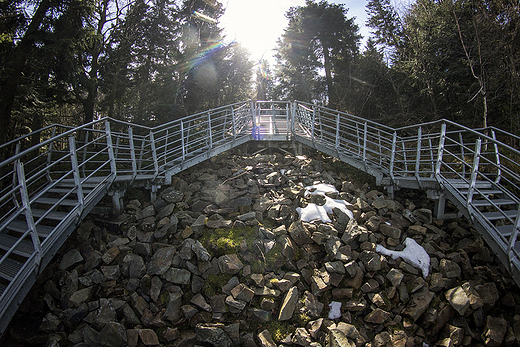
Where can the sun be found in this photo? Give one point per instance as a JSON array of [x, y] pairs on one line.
[[256, 25]]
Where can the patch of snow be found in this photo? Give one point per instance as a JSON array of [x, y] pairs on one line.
[[320, 189], [313, 212], [413, 254], [282, 171], [335, 310], [341, 204]]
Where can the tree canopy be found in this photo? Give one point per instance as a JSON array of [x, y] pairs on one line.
[[150, 61]]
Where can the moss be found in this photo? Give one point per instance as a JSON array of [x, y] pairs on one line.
[[225, 241], [279, 330], [213, 284], [303, 319]]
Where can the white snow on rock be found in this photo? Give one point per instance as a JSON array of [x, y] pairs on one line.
[[413, 254], [335, 310], [313, 212], [320, 189], [316, 212]]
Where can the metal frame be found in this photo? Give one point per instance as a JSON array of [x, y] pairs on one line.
[[73, 168]]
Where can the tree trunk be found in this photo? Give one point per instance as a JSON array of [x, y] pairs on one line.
[[18, 58]]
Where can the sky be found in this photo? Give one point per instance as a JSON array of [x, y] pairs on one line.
[[257, 24]]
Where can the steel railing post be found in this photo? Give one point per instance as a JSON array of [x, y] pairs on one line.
[[313, 122], [233, 122], [75, 173], [182, 142], [209, 131], [418, 152], [474, 172], [440, 152], [512, 238], [365, 131], [110, 148], [497, 157], [28, 213], [132, 151], [392, 156], [154, 154], [463, 154], [337, 131], [85, 145]]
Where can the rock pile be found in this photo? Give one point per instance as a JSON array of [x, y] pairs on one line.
[[222, 259]]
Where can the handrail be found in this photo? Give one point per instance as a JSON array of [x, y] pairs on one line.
[[439, 155]]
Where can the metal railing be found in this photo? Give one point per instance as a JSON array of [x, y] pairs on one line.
[[47, 188]]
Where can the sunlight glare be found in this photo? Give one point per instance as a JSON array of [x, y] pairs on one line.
[[256, 24]]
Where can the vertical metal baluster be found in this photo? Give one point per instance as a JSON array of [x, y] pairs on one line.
[[210, 133], [132, 151], [418, 153], [182, 142], [110, 148], [474, 173], [154, 154], [75, 173], [463, 155], [28, 213], [442, 139], [392, 156], [497, 157], [365, 144]]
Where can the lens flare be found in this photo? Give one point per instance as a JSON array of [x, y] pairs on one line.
[[204, 17]]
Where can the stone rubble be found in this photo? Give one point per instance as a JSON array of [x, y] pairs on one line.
[[221, 259]]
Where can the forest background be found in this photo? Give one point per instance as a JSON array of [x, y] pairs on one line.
[[152, 61]]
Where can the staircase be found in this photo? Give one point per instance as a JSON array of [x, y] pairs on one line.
[[48, 188]]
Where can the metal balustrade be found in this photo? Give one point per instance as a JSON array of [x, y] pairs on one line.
[[56, 175]]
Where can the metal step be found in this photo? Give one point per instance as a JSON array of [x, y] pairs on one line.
[[53, 201], [500, 215], [505, 230], [2, 288], [9, 268], [25, 248], [460, 183], [496, 202], [21, 227], [483, 192], [54, 215]]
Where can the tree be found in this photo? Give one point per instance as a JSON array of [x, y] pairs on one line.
[[318, 36]]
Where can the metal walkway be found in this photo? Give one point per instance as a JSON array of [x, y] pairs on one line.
[[48, 188]]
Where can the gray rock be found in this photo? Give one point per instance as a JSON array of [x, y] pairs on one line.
[[299, 233], [172, 196], [458, 299], [70, 259], [177, 276], [238, 305], [113, 335], [148, 211], [338, 339], [161, 261], [212, 334], [201, 252], [419, 303], [494, 331], [289, 304], [301, 337], [199, 301], [173, 307], [149, 337], [395, 277], [266, 340], [242, 292], [230, 264], [80, 297]]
